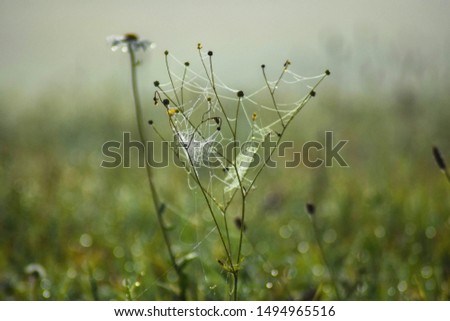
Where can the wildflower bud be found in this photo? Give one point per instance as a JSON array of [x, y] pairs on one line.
[[156, 83], [287, 63], [210, 53], [327, 72], [438, 158], [312, 93], [199, 46], [186, 63], [209, 99], [263, 66], [239, 225], [166, 52], [172, 111], [310, 208], [165, 102], [240, 94], [150, 122], [155, 101], [254, 116]]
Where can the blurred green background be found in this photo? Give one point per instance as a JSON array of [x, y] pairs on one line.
[[71, 230]]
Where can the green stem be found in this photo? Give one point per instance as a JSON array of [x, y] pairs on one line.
[[324, 258], [158, 205]]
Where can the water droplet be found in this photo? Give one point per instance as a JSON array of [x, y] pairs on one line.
[[45, 284], [124, 49], [330, 236], [71, 273], [114, 48], [118, 252], [137, 284], [318, 270], [402, 286], [391, 291], [269, 285], [86, 240], [430, 232], [427, 272], [46, 294], [274, 272], [303, 247], [285, 231]]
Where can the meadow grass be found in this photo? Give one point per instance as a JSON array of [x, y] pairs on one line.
[[383, 222]]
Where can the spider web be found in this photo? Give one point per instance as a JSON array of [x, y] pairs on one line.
[[208, 118], [210, 122]]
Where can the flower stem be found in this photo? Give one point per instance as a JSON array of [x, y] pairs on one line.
[[159, 206]]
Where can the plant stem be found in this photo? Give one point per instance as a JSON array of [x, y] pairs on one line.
[[159, 206], [324, 258]]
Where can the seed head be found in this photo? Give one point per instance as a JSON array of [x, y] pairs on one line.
[[310, 208], [130, 37], [166, 102], [186, 63], [438, 158], [240, 94], [150, 122], [239, 225], [210, 53], [327, 72], [199, 46], [156, 83], [312, 93]]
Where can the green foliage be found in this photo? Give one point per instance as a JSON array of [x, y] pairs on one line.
[[383, 222]]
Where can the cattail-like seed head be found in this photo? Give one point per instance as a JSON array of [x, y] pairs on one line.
[[438, 158], [310, 208]]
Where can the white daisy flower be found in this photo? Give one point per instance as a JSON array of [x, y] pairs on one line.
[[127, 41]]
